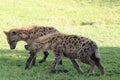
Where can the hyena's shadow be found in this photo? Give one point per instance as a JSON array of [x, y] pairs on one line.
[[13, 57], [19, 57], [9, 51]]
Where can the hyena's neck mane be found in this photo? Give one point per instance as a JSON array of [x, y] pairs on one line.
[[49, 37], [49, 40]]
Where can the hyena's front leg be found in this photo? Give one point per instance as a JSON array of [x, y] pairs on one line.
[[58, 57], [92, 66], [53, 65], [76, 66], [31, 57], [55, 62], [45, 56], [34, 61]]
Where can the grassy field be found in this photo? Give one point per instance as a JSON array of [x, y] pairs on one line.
[[97, 19]]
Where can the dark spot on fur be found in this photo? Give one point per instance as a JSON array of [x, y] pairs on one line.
[[83, 44], [79, 41], [81, 37], [75, 44], [67, 43]]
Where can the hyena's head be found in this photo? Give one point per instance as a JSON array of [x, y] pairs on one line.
[[12, 38], [34, 47]]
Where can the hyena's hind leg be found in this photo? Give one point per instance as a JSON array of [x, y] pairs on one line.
[[30, 59], [98, 64], [76, 66], [92, 66]]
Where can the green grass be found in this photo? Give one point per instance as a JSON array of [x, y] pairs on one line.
[[67, 16]]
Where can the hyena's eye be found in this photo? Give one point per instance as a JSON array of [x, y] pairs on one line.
[[14, 33]]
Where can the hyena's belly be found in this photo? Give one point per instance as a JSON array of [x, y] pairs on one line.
[[70, 55], [70, 52], [83, 56]]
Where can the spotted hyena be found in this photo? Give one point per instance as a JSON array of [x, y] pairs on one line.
[[28, 34], [71, 46]]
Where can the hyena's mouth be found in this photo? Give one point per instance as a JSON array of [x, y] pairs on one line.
[[12, 46], [26, 47]]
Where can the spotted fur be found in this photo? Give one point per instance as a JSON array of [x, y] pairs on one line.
[[71, 46]]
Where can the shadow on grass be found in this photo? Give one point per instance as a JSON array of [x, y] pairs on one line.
[[109, 56], [8, 51]]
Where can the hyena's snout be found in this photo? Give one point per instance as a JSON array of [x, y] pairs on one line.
[[27, 47]]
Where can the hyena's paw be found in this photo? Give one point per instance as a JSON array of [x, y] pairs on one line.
[[41, 61], [60, 63], [64, 70], [26, 67], [52, 71], [58, 71]]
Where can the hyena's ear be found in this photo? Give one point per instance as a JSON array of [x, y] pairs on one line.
[[23, 35], [5, 32]]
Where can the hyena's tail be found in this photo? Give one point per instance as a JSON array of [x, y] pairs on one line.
[[96, 58]]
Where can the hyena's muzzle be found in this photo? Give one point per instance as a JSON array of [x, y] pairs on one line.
[[12, 44], [27, 47]]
